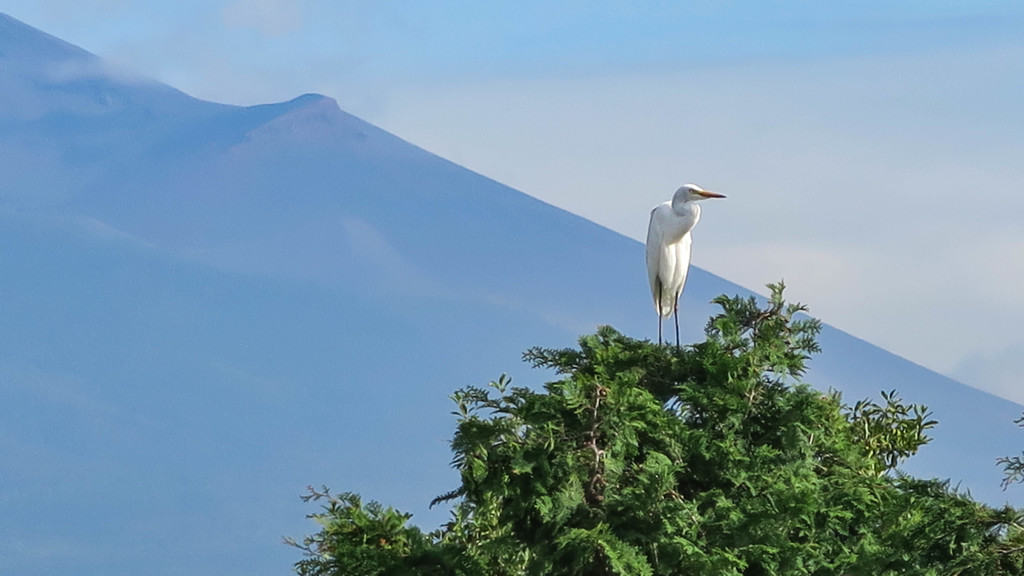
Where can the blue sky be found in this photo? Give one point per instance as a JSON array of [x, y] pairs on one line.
[[871, 151]]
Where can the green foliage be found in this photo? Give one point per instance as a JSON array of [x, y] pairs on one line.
[[654, 460], [368, 539], [1013, 466], [890, 433]]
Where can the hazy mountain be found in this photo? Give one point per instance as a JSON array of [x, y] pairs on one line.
[[204, 308]]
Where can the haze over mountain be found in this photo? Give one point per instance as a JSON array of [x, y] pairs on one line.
[[204, 308]]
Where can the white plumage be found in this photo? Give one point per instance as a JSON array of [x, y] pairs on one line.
[[668, 249]]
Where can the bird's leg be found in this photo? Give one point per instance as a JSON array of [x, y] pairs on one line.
[[659, 313], [675, 314]]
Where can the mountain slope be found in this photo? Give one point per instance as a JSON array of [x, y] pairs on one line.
[[204, 308]]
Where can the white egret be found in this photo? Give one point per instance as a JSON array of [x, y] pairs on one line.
[[668, 249]]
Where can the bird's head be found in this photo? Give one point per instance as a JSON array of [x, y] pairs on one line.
[[692, 193]]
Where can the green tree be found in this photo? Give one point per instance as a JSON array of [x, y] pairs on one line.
[[710, 459]]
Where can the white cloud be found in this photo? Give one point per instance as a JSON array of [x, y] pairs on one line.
[[271, 17], [91, 69]]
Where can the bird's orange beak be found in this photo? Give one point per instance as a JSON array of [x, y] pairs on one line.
[[710, 194]]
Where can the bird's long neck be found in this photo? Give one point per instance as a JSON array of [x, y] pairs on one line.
[[688, 213], [695, 209]]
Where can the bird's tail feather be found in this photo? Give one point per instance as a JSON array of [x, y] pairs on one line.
[[665, 308]]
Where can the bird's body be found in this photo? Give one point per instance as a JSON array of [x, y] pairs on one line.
[[668, 254], [668, 249]]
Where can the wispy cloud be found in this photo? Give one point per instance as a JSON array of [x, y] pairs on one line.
[[375, 255], [91, 69], [998, 371], [272, 18]]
